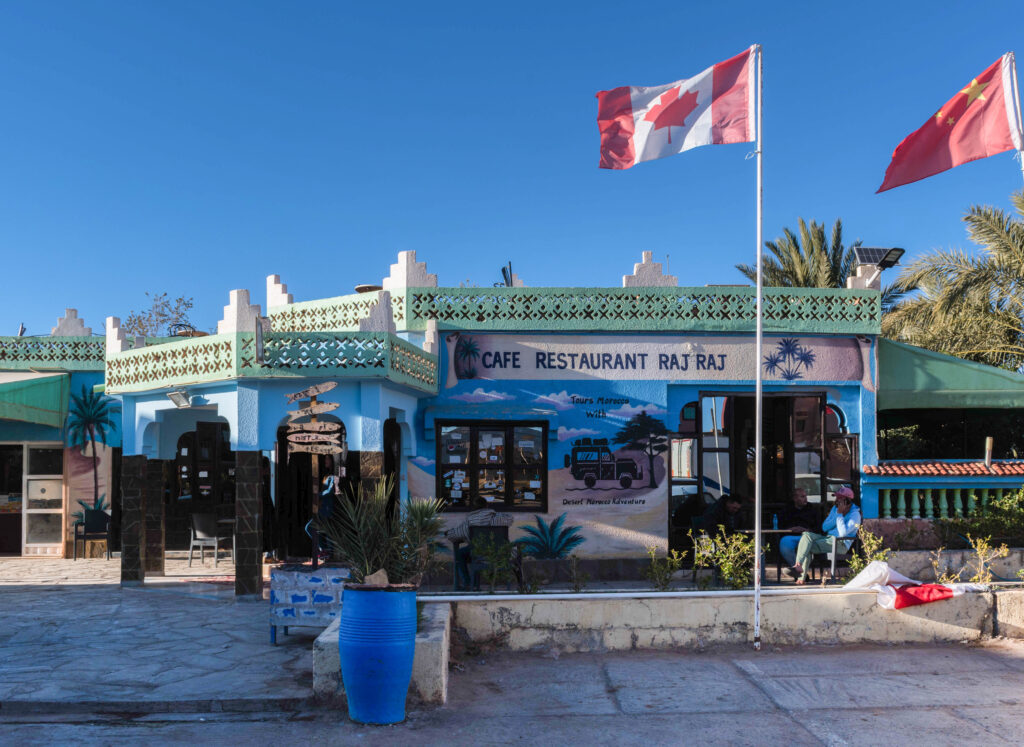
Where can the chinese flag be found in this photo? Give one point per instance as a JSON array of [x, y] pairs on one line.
[[980, 121], [713, 107]]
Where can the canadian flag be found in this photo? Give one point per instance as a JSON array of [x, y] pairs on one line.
[[896, 591], [644, 123]]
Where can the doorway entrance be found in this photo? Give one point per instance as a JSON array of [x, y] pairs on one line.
[[712, 454], [293, 506]]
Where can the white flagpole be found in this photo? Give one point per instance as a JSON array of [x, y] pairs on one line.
[[758, 396], [1016, 104]]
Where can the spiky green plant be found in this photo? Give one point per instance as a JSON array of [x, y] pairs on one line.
[[368, 537], [550, 541], [89, 421]]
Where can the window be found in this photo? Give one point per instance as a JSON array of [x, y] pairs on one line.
[[496, 465]]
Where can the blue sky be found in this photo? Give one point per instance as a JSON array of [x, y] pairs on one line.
[[196, 147]]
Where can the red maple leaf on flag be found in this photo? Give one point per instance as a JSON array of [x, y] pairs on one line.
[[672, 110]]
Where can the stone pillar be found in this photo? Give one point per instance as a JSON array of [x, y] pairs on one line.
[[133, 549], [248, 537], [153, 513]]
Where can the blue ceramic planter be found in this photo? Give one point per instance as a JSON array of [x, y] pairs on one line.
[[377, 642]]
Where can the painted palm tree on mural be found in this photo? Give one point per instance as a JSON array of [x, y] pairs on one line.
[[89, 421], [807, 259], [969, 305], [647, 434]]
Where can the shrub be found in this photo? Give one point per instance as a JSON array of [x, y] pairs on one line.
[[368, 537], [1002, 519], [660, 571], [498, 559], [577, 578], [731, 555], [871, 549]]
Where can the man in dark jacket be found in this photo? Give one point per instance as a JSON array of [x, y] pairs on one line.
[[725, 513]]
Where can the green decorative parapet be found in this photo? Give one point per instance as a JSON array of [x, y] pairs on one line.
[[285, 354], [721, 308], [341, 313], [66, 353], [713, 309]]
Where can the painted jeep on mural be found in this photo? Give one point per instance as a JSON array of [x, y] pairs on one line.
[[592, 460]]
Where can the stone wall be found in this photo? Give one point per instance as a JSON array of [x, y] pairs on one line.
[[571, 625], [429, 667]]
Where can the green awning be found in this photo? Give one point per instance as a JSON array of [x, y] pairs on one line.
[[912, 378], [34, 397]]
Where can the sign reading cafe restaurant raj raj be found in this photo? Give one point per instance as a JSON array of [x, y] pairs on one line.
[[635, 357]]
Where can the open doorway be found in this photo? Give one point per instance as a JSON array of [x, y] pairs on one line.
[[712, 454]]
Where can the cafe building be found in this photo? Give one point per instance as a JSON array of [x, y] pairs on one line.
[[597, 418]]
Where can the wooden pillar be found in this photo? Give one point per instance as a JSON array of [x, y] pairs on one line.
[[133, 544], [154, 516], [248, 535]]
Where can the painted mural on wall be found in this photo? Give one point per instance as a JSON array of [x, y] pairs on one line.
[[487, 357], [87, 457]]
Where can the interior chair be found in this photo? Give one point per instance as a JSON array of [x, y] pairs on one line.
[[204, 534], [95, 526], [494, 535]]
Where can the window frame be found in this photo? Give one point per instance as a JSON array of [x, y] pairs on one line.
[[474, 466]]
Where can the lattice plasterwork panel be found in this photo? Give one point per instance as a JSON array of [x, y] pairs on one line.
[[196, 359], [333, 314], [68, 353], [822, 310], [412, 365]]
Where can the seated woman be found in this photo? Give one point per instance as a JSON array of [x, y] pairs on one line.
[[843, 521]]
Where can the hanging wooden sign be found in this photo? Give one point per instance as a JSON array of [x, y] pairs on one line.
[[331, 438], [314, 427], [315, 448], [312, 391], [314, 409]]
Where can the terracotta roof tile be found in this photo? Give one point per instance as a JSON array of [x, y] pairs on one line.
[[940, 468]]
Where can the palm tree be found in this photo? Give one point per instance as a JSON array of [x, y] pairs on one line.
[[807, 259], [89, 419], [969, 305]]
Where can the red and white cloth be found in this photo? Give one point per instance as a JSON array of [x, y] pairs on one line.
[[896, 591], [983, 119], [644, 123]]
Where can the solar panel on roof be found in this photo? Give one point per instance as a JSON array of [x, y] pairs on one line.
[[870, 255]]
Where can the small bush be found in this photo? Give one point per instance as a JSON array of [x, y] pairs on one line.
[[1002, 519], [871, 549], [498, 559], [577, 578], [660, 571], [731, 555]]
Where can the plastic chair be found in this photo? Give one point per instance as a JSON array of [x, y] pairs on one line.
[[836, 557], [204, 534], [95, 526]]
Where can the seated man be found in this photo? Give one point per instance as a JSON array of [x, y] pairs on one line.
[[725, 513], [798, 518], [482, 517], [843, 521]]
